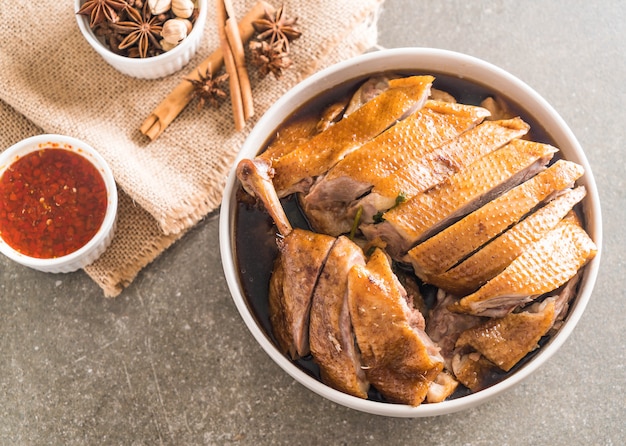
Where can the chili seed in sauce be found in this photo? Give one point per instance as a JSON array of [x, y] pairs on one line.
[[52, 202]]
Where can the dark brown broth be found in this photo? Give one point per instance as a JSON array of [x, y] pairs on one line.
[[255, 234]]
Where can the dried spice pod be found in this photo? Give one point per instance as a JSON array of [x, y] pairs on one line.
[[275, 27], [159, 6], [100, 11], [208, 88], [270, 58], [182, 8], [142, 31], [174, 32]]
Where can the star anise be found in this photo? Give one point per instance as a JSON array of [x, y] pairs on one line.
[[142, 32], [277, 27], [270, 58], [207, 88], [100, 11]]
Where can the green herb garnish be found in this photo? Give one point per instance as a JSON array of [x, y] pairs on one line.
[[378, 217], [355, 223]]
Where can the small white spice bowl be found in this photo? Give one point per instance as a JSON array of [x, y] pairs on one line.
[[150, 67], [94, 248]]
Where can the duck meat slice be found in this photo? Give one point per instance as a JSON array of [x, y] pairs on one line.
[[300, 129], [330, 332], [546, 265], [491, 259], [425, 214], [506, 340], [419, 174], [406, 142], [295, 171], [448, 247], [301, 257], [398, 358], [409, 142]]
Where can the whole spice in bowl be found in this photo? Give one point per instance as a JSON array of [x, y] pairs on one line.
[[143, 38], [135, 29], [173, 32], [182, 8]]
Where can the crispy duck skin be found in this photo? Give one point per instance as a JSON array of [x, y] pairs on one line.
[[491, 259], [302, 255], [546, 265], [447, 248], [506, 340], [300, 130], [295, 171], [408, 143], [290, 136], [330, 332], [415, 176], [399, 359], [427, 213], [403, 143]]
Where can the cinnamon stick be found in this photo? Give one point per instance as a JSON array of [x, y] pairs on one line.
[[234, 38], [234, 59], [231, 69], [177, 100]]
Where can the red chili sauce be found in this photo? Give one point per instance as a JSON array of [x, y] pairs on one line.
[[52, 202]]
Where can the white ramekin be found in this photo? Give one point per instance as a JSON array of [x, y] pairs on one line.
[[101, 240], [149, 67]]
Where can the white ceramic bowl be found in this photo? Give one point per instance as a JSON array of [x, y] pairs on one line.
[[149, 67], [431, 61], [101, 240]]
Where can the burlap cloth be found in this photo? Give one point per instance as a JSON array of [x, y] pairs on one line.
[[52, 81]]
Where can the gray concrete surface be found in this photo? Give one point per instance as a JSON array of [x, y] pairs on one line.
[[171, 362]]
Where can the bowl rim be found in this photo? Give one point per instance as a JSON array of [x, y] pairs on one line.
[[417, 59], [106, 53], [38, 142]]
